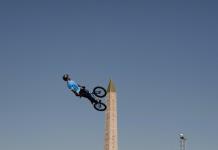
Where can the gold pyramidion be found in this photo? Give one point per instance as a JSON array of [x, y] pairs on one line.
[[111, 87]]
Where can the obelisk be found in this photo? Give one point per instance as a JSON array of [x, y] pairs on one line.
[[111, 142]]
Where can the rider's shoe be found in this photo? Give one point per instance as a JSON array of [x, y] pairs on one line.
[[92, 102]]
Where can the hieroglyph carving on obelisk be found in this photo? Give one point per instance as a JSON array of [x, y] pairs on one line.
[[111, 142]]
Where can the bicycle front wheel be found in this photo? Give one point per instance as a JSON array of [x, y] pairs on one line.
[[99, 91]]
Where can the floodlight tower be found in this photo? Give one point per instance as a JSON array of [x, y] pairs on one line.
[[182, 141]]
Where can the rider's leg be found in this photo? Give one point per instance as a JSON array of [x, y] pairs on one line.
[[86, 94]]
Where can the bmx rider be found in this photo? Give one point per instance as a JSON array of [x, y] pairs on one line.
[[77, 89]]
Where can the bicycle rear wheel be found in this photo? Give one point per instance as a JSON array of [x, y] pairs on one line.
[[100, 106]]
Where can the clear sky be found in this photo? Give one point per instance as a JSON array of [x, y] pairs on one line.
[[161, 55]]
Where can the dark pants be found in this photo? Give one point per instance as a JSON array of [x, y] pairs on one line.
[[85, 93]]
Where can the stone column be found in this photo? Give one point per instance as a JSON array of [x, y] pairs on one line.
[[111, 142]]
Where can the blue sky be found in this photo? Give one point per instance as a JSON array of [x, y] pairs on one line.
[[161, 55]]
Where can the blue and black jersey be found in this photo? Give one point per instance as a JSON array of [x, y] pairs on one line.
[[73, 86]]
